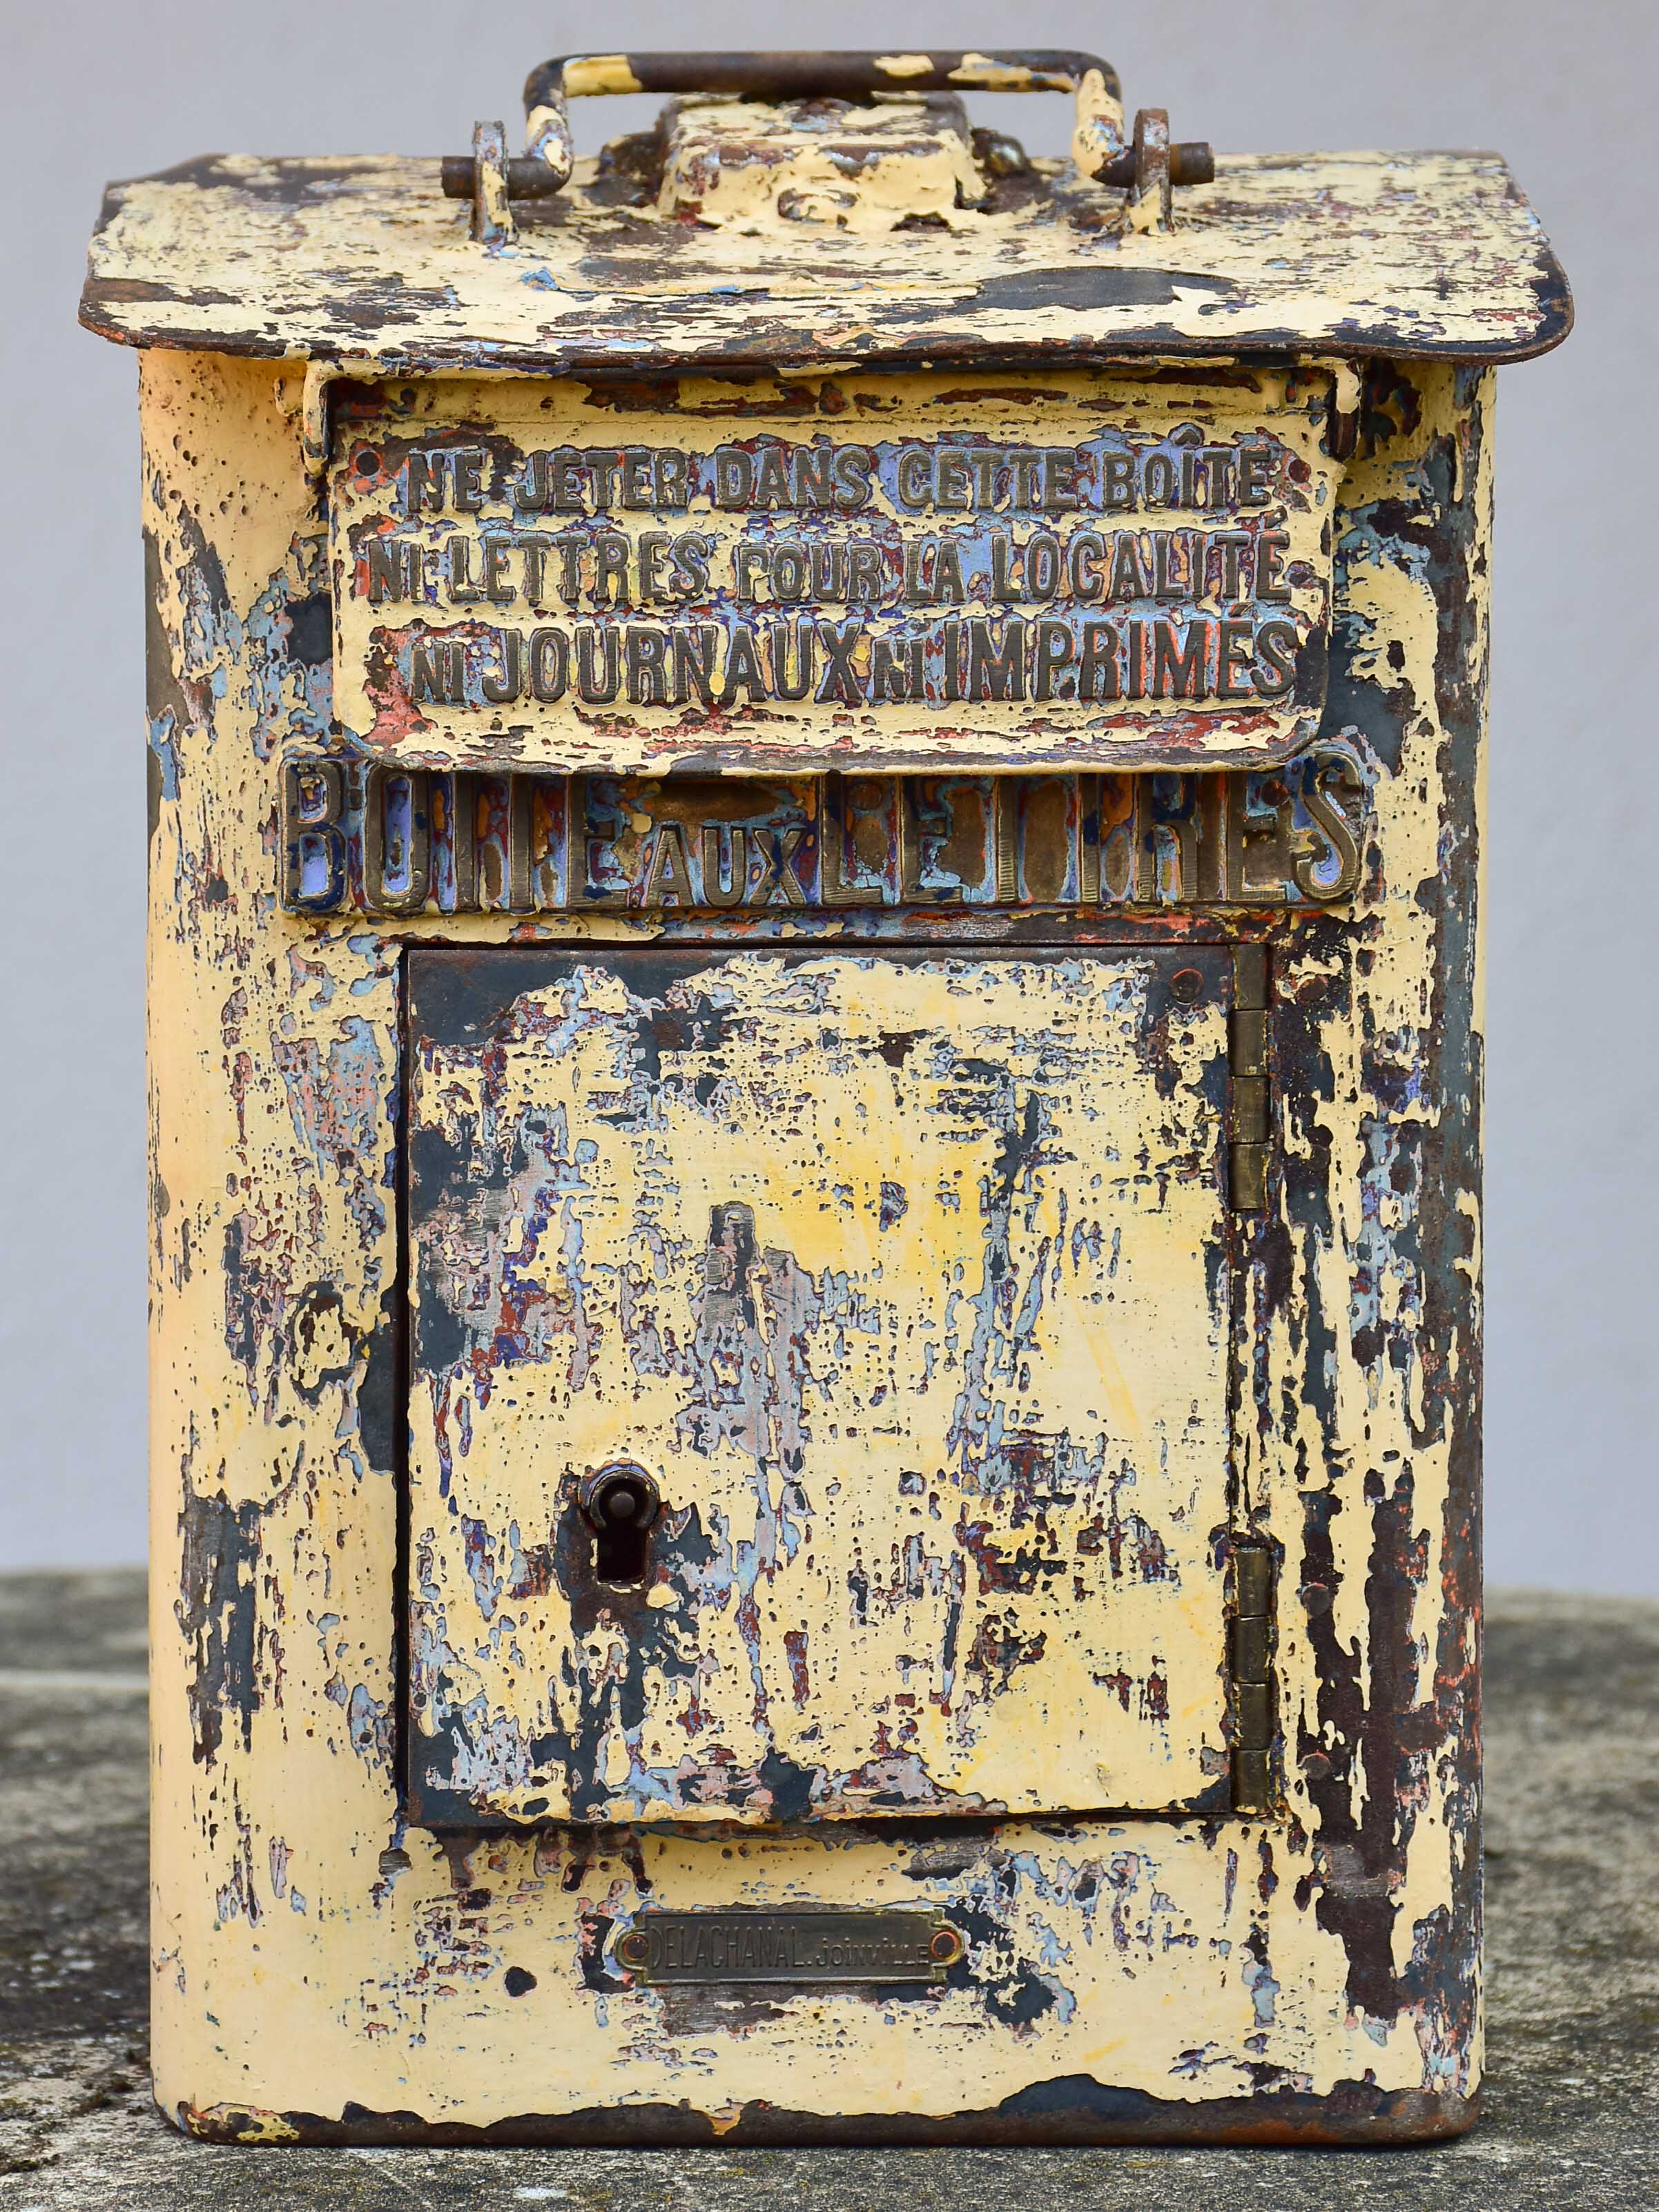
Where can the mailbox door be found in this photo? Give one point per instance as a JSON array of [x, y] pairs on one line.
[[902, 1276]]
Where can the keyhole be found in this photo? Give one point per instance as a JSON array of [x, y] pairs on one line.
[[620, 1503], [619, 1536]]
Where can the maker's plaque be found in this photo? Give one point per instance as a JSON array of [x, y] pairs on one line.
[[807, 1948]]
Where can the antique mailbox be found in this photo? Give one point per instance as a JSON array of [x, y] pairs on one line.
[[816, 1072]]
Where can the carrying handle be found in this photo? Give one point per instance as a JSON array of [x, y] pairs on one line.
[[1099, 147]]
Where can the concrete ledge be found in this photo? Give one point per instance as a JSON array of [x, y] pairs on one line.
[[1570, 2106]]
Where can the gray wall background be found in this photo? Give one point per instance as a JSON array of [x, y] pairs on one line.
[[100, 90]]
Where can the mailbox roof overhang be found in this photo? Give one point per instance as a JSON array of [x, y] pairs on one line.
[[1407, 256]]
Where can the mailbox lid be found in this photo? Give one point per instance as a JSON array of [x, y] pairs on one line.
[[1406, 255], [942, 1438]]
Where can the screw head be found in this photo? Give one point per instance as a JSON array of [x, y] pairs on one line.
[[634, 1949], [1187, 986]]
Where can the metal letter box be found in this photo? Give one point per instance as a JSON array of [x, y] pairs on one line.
[[816, 1092]]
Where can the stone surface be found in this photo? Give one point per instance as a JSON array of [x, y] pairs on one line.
[[1572, 2093]]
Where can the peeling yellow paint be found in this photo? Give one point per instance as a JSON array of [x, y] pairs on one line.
[[251, 2125], [862, 170], [591, 76], [1414, 252], [928, 1399], [1097, 134]]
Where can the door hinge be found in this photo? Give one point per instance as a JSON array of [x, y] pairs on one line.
[[1249, 1640], [1246, 1066]]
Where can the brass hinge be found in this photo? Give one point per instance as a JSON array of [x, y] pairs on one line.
[[1247, 1064], [1249, 1640]]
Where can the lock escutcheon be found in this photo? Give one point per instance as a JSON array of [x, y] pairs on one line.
[[619, 1501], [618, 1497]]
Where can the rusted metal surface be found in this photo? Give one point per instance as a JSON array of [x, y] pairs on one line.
[[805, 82], [791, 1338], [1400, 255], [1191, 162], [487, 188], [1098, 140], [1249, 1649]]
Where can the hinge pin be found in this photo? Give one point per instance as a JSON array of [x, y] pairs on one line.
[[1246, 1062], [1250, 1637]]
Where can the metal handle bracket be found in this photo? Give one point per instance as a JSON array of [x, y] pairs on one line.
[[1100, 147]]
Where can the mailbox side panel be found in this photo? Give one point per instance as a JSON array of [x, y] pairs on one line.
[[1364, 1336], [323, 1971]]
